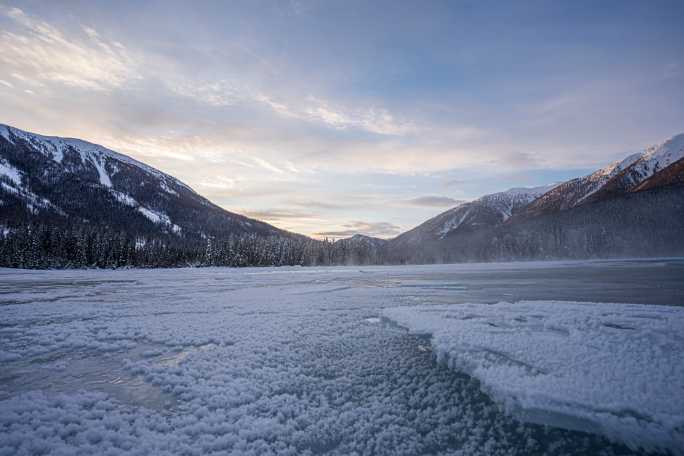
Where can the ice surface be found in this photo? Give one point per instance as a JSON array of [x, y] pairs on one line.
[[272, 360], [617, 369]]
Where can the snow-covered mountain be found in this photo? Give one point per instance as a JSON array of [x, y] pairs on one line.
[[65, 181], [363, 240], [487, 211], [632, 207], [359, 249], [655, 167], [617, 178]]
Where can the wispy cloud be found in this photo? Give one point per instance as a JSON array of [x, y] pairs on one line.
[[224, 93], [37, 52], [433, 201], [376, 229], [276, 215]]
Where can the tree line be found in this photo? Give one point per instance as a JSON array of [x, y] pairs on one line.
[[41, 246]]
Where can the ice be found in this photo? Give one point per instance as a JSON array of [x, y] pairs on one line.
[[276, 360], [616, 369]]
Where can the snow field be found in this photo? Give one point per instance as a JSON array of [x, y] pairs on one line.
[[250, 361]]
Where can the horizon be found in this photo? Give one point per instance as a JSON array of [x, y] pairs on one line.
[[365, 119]]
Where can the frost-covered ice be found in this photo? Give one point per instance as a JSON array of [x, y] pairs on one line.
[[273, 360], [617, 369]]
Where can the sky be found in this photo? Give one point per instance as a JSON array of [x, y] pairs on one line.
[[331, 118]]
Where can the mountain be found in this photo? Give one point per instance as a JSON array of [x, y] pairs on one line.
[[65, 181], [633, 207], [637, 172], [659, 165], [576, 191], [358, 249], [69, 203], [485, 212]]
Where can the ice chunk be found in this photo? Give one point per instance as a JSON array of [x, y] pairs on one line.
[[613, 369]]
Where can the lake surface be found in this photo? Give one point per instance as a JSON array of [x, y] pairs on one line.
[[274, 360]]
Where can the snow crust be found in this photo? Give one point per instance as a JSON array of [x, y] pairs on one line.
[[258, 361], [615, 369]]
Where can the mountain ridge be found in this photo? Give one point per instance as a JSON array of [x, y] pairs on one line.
[[97, 196], [34, 166]]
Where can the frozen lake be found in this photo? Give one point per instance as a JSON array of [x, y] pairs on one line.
[[274, 360]]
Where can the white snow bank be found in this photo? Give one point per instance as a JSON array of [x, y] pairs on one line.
[[613, 369]]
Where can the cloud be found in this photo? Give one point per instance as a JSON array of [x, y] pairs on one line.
[[219, 182], [376, 229], [217, 93], [40, 50], [433, 201], [224, 93], [275, 215]]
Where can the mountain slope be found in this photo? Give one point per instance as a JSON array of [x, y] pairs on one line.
[[575, 191], [654, 165], [358, 249], [634, 207], [616, 179], [54, 180], [487, 211]]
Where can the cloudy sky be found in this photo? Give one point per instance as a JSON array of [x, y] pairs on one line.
[[330, 118]]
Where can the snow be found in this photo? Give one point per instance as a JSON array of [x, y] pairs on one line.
[[10, 172], [33, 201], [658, 157], [596, 180], [155, 216], [506, 202], [6, 133], [453, 223], [159, 218], [273, 361], [124, 198], [55, 147], [99, 164], [617, 369], [165, 186], [502, 202]]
